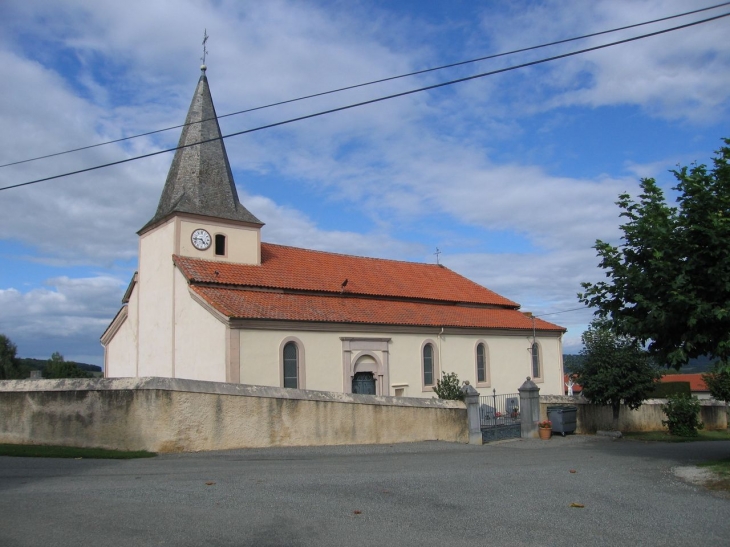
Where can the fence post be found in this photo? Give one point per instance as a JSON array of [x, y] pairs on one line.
[[471, 398], [530, 406]]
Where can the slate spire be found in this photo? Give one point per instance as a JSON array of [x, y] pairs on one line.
[[200, 179]]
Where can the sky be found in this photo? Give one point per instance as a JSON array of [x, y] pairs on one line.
[[513, 177]]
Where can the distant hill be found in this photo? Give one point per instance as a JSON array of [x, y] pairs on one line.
[[40, 364], [700, 364]]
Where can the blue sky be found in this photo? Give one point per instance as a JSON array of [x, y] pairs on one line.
[[513, 177]]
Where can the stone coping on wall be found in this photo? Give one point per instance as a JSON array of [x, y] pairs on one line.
[[218, 388], [578, 400]]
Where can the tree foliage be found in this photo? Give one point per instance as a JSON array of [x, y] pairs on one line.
[[718, 382], [57, 367], [448, 387], [615, 369], [9, 368], [669, 280]]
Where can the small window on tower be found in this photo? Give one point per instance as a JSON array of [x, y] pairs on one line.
[[220, 245]]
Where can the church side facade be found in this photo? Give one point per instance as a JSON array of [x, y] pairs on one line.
[[211, 302]]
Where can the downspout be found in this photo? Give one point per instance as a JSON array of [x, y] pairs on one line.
[[439, 336]]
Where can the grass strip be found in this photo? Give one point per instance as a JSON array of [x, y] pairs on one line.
[[664, 436], [721, 469], [47, 451]]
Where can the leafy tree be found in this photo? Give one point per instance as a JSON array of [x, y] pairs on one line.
[[669, 280], [57, 367], [448, 387], [615, 369], [718, 382], [571, 362], [9, 368]]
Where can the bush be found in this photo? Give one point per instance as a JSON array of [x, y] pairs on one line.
[[666, 389], [682, 415], [448, 387]]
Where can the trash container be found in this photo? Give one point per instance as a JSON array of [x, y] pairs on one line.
[[563, 418]]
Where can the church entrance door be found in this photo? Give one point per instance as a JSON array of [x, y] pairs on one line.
[[364, 383]]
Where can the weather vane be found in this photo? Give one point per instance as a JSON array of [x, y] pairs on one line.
[[437, 253], [205, 50]]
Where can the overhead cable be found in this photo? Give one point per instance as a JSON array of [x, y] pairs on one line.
[[373, 101], [424, 71]]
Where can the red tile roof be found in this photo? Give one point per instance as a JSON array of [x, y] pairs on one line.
[[291, 268], [294, 284], [251, 304], [696, 383]]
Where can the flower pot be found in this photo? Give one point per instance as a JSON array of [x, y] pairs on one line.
[[545, 433]]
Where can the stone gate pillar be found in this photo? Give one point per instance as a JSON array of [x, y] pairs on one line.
[[530, 408], [471, 398]]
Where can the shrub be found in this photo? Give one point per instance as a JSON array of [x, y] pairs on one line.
[[448, 387], [682, 415], [664, 390]]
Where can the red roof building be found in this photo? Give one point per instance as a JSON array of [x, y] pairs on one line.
[[212, 302], [696, 384]]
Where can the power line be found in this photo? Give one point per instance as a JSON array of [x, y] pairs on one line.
[[372, 101], [562, 311], [424, 71]]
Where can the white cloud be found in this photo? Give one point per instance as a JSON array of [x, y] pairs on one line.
[[287, 226], [679, 75], [68, 313]]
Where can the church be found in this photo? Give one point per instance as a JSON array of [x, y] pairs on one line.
[[211, 301]]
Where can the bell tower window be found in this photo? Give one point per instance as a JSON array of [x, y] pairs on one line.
[[220, 245]]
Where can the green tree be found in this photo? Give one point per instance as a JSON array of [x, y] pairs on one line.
[[718, 382], [9, 368], [615, 369], [669, 280], [57, 367], [448, 387]]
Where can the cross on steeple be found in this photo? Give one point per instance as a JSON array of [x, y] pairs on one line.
[[205, 50]]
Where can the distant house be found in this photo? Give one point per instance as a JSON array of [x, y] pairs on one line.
[[696, 384], [211, 301]]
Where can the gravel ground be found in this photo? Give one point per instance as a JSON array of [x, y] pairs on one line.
[[511, 493]]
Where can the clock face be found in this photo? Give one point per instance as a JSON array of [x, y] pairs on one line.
[[201, 239]]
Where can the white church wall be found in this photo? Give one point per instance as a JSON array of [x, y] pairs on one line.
[[156, 301], [509, 359], [120, 355], [200, 338], [261, 364]]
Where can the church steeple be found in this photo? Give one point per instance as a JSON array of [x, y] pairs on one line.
[[200, 179]]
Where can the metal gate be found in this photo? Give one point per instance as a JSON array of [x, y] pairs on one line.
[[500, 416]]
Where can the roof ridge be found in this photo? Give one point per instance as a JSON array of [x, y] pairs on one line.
[[360, 256]]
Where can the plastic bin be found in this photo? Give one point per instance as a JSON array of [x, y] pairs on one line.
[[563, 418]]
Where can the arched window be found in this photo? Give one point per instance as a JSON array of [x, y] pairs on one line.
[[482, 362], [291, 365], [429, 366], [220, 245], [536, 368]]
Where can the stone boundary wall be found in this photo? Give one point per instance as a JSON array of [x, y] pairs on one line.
[[175, 415], [648, 417]]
